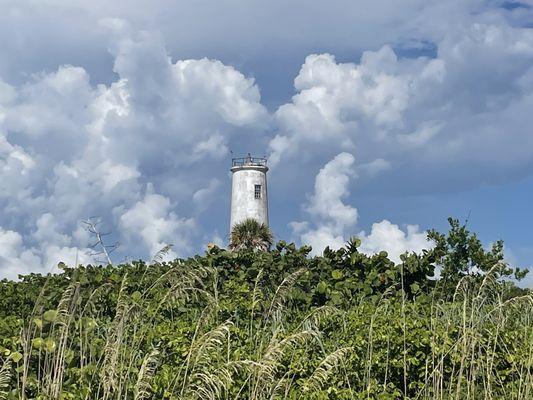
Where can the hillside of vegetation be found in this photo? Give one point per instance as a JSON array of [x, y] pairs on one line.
[[275, 324]]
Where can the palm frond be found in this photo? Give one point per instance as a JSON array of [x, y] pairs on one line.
[[251, 234]]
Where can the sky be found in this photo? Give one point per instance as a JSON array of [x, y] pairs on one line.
[[379, 119]]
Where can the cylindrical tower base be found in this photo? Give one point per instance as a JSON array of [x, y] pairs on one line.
[[249, 194]]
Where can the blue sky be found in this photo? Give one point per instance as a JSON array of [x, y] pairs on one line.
[[379, 118]]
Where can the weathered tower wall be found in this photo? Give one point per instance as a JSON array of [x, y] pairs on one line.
[[249, 193]]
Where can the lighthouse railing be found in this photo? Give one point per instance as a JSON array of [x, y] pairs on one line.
[[243, 161]]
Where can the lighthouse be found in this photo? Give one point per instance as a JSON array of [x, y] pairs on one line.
[[249, 190]]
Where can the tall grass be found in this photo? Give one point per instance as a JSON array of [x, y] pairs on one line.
[[480, 346]]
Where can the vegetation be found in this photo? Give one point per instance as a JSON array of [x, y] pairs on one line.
[[252, 235], [276, 324]]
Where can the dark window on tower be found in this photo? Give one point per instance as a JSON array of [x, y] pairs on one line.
[[257, 191]]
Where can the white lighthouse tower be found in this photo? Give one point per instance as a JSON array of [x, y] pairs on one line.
[[249, 190]]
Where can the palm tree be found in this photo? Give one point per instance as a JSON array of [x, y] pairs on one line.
[[251, 234]]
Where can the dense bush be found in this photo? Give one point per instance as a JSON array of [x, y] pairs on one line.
[[272, 325]]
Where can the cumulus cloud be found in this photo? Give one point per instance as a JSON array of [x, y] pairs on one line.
[[332, 218], [331, 186], [203, 197], [336, 102], [125, 119], [152, 220], [16, 258], [72, 150], [65, 32], [333, 222], [388, 237], [418, 113]]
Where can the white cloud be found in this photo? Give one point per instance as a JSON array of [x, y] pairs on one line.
[[203, 197], [388, 237], [70, 256], [16, 258], [69, 30], [419, 113], [322, 237], [374, 167], [15, 167], [214, 146], [235, 97], [85, 132], [336, 100], [48, 231], [70, 150], [152, 220], [333, 222], [331, 186], [330, 216]]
